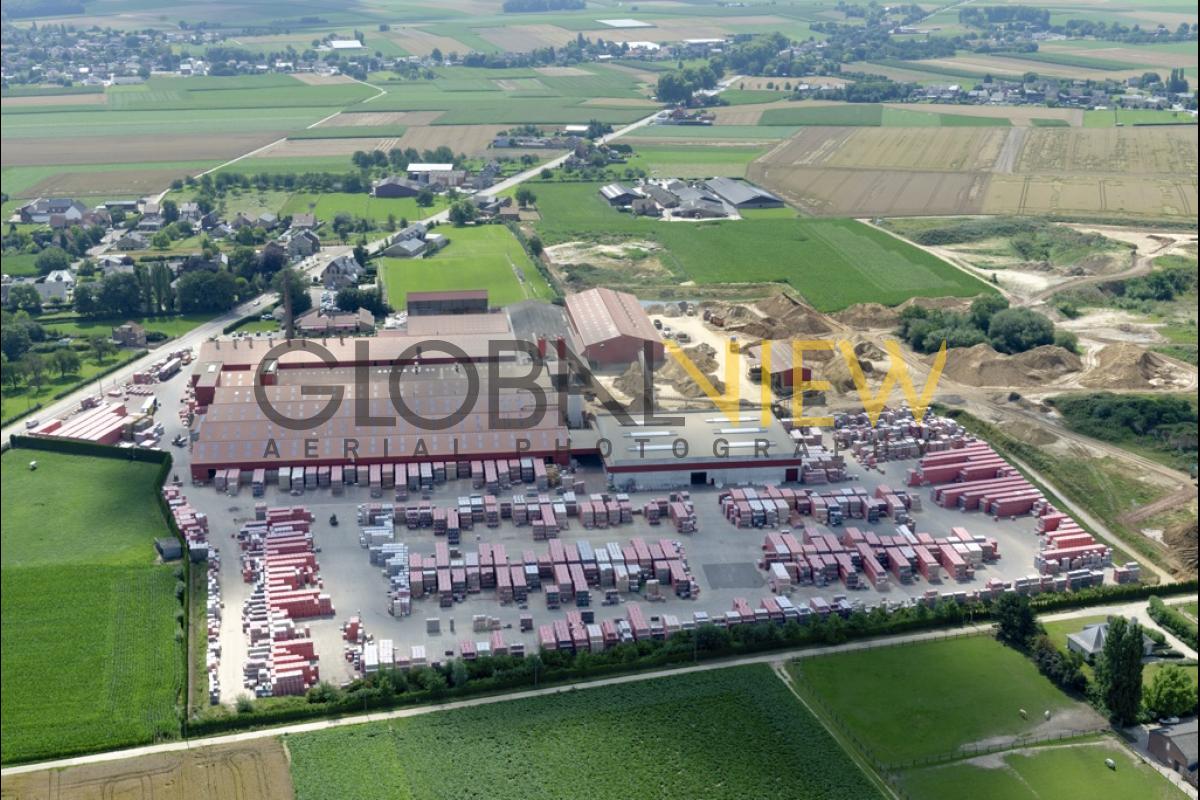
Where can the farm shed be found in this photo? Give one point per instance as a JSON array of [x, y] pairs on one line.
[[617, 194], [697, 448], [780, 364], [1175, 746], [396, 186], [169, 548], [741, 194], [611, 328]]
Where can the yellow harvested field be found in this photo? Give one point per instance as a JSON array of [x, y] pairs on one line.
[[312, 79], [254, 770], [349, 119], [523, 38], [1148, 150], [420, 42], [93, 99], [1105, 172]]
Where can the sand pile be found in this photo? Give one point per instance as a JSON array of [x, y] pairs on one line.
[[629, 383], [837, 372], [868, 316], [982, 366], [1128, 366], [785, 318]]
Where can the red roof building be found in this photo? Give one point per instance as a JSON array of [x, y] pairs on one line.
[[611, 328]]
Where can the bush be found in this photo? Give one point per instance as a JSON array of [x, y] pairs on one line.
[[1175, 622]]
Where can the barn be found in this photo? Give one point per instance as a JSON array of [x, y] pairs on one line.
[[611, 328], [742, 194]]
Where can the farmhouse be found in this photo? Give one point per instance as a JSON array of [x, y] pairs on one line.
[[611, 328], [300, 243], [396, 186], [1089, 642], [41, 210], [741, 194], [341, 272], [1175, 746], [470, 301], [618, 195], [436, 174], [304, 222]]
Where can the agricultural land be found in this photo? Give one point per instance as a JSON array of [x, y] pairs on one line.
[[87, 604]]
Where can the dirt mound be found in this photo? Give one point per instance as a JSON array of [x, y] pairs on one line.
[[778, 317], [873, 316], [673, 374], [1128, 366], [982, 366], [868, 316], [1181, 537], [837, 372]]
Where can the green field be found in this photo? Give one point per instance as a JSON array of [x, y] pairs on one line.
[[1134, 116], [714, 133], [53, 124], [1071, 772], [350, 132], [173, 326], [931, 698], [832, 262], [694, 161], [90, 659], [483, 257], [733, 733]]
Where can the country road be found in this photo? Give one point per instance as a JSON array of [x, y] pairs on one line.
[[773, 658]]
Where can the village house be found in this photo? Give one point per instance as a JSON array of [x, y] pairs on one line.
[[131, 334], [1175, 746], [41, 210], [341, 272]]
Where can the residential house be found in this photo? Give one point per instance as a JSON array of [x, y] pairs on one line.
[[304, 222], [131, 334], [198, 261], [151, 223], [267, 221], [444, 175], [114, 264], [62, 276], [485, 178], [300, 243], [341, 272], [1089, 642], [52, 291], [1175, 746], [396, 186], [189, 211], [133, 240], [645, 207]]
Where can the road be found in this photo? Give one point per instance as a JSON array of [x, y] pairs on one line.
[[774, 658]]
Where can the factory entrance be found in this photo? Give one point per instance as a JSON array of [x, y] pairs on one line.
[[699, 479]]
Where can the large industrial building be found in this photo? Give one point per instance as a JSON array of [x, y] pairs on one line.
[[611, 328], [441, 391]]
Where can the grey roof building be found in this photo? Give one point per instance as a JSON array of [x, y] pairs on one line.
[[1175, 746], [741, 194]]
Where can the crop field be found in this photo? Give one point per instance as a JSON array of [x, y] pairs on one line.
[[1062, 772], [253, 770], [1135, 116], [483, 257], [875, 115], [734, 733], [875, 267], [706, 134], [1003, 65], [84, 180], [1136, 172], [933, 698], [86, 607]]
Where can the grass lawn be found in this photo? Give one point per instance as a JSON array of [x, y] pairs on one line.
[[731, 733], [832, 262], [931, 698], [1072, 772], [173, 326], [89, 657], [483, 257], [17, 401], [874, 115], [19, 265], [328, 206]]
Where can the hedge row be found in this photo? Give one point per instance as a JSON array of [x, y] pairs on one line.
[[1175, 622], [494, 674]]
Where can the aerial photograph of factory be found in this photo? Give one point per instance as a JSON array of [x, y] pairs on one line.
[[563, 399]]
